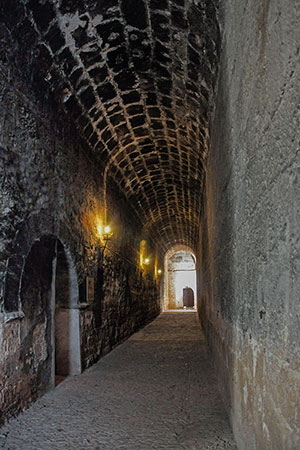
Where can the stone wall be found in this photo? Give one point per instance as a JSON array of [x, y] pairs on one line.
[[50, 190], [128, 301], [249, 277]]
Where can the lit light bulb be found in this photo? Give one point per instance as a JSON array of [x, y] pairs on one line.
[[107, 229], [147, 261], [159, 271]]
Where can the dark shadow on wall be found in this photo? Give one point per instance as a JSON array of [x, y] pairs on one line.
[[99, 296], [215, 270], [36, 326]]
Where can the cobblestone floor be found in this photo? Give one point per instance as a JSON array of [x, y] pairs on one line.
[[155, 391]]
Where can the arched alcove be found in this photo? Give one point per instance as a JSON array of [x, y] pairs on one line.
[[36, 294], [180, 285], [49, 330]]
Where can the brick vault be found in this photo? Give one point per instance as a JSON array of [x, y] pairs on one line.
[[137, 79]]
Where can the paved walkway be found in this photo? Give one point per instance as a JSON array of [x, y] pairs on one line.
[[155, 391]]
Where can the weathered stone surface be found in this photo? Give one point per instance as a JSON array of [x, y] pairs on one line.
[[157, 390], [127, 300], [109, 60], [249, 283], [108, 113], [50, 191]]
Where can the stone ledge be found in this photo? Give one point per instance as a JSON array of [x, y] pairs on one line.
[[15, 315]]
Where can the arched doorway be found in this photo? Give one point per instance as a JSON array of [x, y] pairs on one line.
[[48, 285], [180, 279]]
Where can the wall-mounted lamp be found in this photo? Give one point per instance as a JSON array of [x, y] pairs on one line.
[[107, 233], [159, 271], [144, 264]]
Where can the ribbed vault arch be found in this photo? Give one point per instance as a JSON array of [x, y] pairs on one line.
[[137, 78]]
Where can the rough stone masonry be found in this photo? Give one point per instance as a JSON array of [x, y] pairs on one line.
[[176, 123]]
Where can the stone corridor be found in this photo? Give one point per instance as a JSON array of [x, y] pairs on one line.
[[155, 391], [149, 160]]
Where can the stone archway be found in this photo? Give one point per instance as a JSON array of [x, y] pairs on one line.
[[49, 330], [180, 278], [36, 326]]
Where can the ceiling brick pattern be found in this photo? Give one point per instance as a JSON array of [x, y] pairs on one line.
[[137, 77]]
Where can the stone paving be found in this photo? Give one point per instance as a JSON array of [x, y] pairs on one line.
[[156, 391]]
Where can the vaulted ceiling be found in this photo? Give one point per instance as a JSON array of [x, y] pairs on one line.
[[137, 77]]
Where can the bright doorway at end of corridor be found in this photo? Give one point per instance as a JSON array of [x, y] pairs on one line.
[[180, 280]]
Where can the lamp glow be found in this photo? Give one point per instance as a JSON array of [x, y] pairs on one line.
[[107, 233], [159, 271], [99, 229]]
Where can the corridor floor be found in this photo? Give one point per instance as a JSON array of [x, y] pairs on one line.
[[155, 391]]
